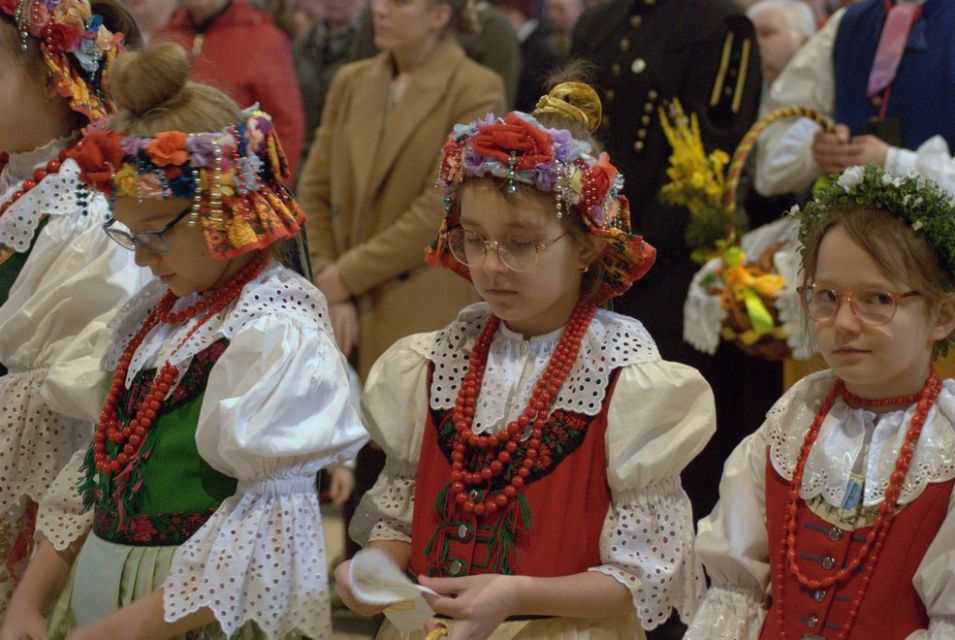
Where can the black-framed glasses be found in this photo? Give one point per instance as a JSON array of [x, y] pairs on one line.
[[870, 306], [152, 240], [470, 249]]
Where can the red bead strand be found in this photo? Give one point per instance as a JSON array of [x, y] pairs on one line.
[[500, 447], [129, 438], [52, 167], [875, 539]]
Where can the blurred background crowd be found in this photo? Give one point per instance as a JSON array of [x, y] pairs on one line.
[[363, 95]]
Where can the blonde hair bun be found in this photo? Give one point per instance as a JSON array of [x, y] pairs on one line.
[[574, 100], [143, 80]]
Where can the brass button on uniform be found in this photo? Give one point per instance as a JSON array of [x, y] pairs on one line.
[[636, 21], [610, 94], [642, 134], [648, 107], [615, 68], [645, 120], [638, 65], [625, 45], [638, 146], [652, 94]]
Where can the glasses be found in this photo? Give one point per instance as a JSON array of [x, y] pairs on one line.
[[152, 240], [872, 307], [470, 249]]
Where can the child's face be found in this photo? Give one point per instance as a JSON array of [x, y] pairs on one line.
[[530, 302], [187, 267], [875, 362]]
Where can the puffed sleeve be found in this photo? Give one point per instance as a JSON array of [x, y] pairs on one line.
[[733, 544], [661, 415], [935, 582], [61, 517], [394, 406], [275, 411]]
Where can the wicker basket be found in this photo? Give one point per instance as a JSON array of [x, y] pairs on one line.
[[772, 345]]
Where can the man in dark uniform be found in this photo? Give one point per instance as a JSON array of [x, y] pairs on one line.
[[704, 53]]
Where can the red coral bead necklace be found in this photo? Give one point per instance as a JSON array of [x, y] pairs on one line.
[[875, 540], [502, 446], [50, 168], [129, 438]]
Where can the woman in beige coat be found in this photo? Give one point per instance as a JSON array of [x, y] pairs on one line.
[[368, 184]]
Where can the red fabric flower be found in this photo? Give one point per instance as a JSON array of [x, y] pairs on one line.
[[168, 147], [141, 529], [602, 175], [498, 140], [99, 155], [61, 37]]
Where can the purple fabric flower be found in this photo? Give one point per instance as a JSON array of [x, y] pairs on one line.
[[132, 145], [563, 144], [545, 175], [473, 163], [202, 150]]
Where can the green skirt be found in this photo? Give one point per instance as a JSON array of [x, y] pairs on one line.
[[108, 576]]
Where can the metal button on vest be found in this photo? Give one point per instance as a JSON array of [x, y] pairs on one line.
[[645, 120], [811, 622], [454, 568], [648, 107], [463, 531], [625, 45], [638, 65], [652, 94], [835, 533], [819, 595], [828, 562], [638, 146], [474, 495]]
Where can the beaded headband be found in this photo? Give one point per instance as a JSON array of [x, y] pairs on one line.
[[922, 204], [77, 48], [519, 150], [234, 177]]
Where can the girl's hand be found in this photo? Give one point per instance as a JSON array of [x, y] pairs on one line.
[[343, 589], [478, 604], [23, 623]]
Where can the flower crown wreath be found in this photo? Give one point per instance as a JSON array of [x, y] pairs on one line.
[[77, 48], [234, 178], [517, 149], [925, 206]]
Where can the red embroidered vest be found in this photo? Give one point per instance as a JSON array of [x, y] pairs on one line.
[[891, 608], [564, 507]]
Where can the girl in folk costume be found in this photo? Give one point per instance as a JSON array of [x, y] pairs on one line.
[[58, 273], [536, 409], [841, 504], [193, 512]]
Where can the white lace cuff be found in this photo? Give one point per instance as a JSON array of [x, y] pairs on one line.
[[728, 613], [260, 557], [386, 509], [939, 628], [35, 442], [60, 516], [647, 545]]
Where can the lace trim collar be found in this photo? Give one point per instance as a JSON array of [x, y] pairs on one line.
[[276, 289], [841, 439], [514, 364], [58, 194]]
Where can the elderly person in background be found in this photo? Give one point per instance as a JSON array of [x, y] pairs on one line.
[[782, 28]]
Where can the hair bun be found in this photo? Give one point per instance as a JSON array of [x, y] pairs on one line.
[[143, 80], [575, 100]]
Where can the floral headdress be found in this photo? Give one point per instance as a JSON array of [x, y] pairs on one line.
[[234, 178], [77, 48], [923, 205], [518, 149]]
